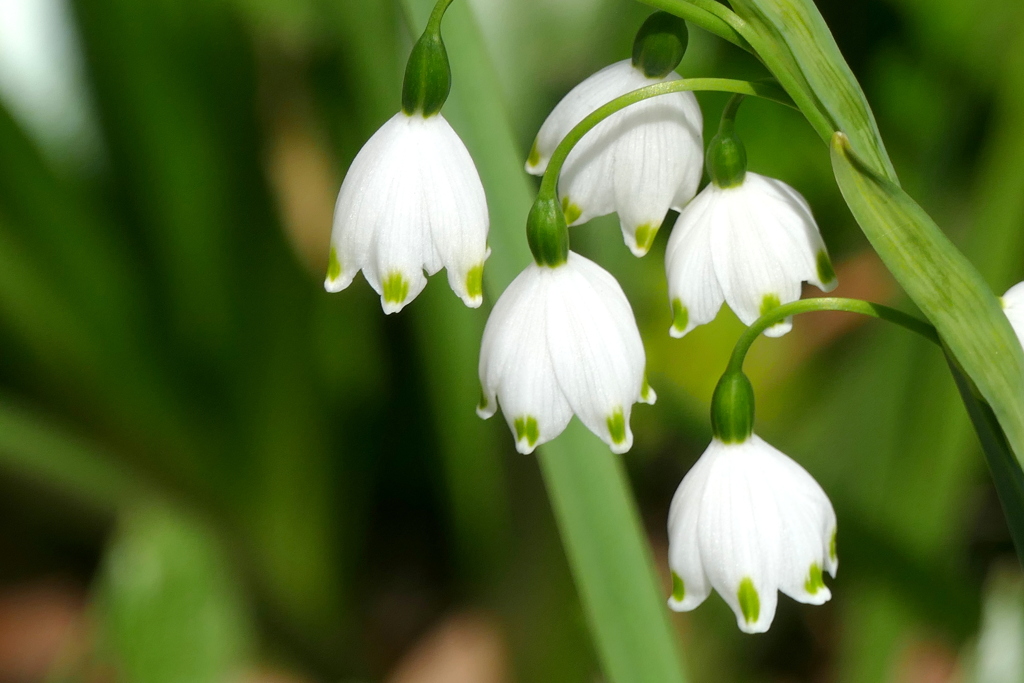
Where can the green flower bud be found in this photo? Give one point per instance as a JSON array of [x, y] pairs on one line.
[[732, 408], [660, 44], [727, 157], [547, 232], [428, 76]]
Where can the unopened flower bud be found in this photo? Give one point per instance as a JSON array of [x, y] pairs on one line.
[[660, 44]]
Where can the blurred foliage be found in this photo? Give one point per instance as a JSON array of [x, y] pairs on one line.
[[303, 479]]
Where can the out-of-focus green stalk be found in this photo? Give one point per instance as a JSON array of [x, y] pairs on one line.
[[590, 493]]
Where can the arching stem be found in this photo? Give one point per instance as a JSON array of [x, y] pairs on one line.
[[779, 314]]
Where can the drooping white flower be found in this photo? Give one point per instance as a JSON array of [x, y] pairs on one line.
[[639, 162], [1013, 304], [560, 341], [750, 245], [412, 201], [748, 521]]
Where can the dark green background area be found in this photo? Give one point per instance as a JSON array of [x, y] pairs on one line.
[[243, 470]]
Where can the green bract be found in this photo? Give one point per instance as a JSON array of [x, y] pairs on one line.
[[428, 75], [660, 44], [547, 232], [732, 408], [727, 157]]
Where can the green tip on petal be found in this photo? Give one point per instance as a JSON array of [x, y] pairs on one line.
[[826, 273], [814, 582], [750, 602], [680, 316], [333, 265], [526, 430], [534, 157], [482, 405], [678, 588], [645, 235], [832, 546], [396, 288], [769, 303], [645, 388], [475, 281], [571, 211], [617, 426]]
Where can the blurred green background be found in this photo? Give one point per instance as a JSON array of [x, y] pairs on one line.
[[211, 470]]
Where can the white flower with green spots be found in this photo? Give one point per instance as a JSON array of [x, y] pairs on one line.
[[748, 521], [639, 162], [412, 201], [560, 341], [751, 246], [1013, 304]]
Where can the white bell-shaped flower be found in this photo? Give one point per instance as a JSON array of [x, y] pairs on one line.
[[748, 521], [750, 245], [1013, 304], [639, 162], [412, 201], [563, 340]]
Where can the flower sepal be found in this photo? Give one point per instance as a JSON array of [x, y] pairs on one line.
[[428, 75], [547, 232]]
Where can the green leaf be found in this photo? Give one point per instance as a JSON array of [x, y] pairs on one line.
[[610, 559], [799, 25], [1006, 472], [169, 609], [944, 285]]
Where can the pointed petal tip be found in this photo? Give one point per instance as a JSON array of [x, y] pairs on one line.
[[650, 397], [780, 330], [334, 285]]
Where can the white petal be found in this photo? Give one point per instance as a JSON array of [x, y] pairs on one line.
[[694, 292], [1013, 304], [411, 202], [744, 251], [639, 162], [596, 349], [684, 557], [363, 198], [749, 521], [515, 366], [457, 210]]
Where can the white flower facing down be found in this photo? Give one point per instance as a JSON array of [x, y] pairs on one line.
[[748, 521], [559, 341], [750, 246], [639, 162], [1013, 304], [411, 202]]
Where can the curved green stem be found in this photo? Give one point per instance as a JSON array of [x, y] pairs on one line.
[[769, 91], [732, 107], [434, 23], [777, 315]]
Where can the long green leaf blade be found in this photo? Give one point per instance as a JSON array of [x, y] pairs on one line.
[[799, 25], [943, 283]]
